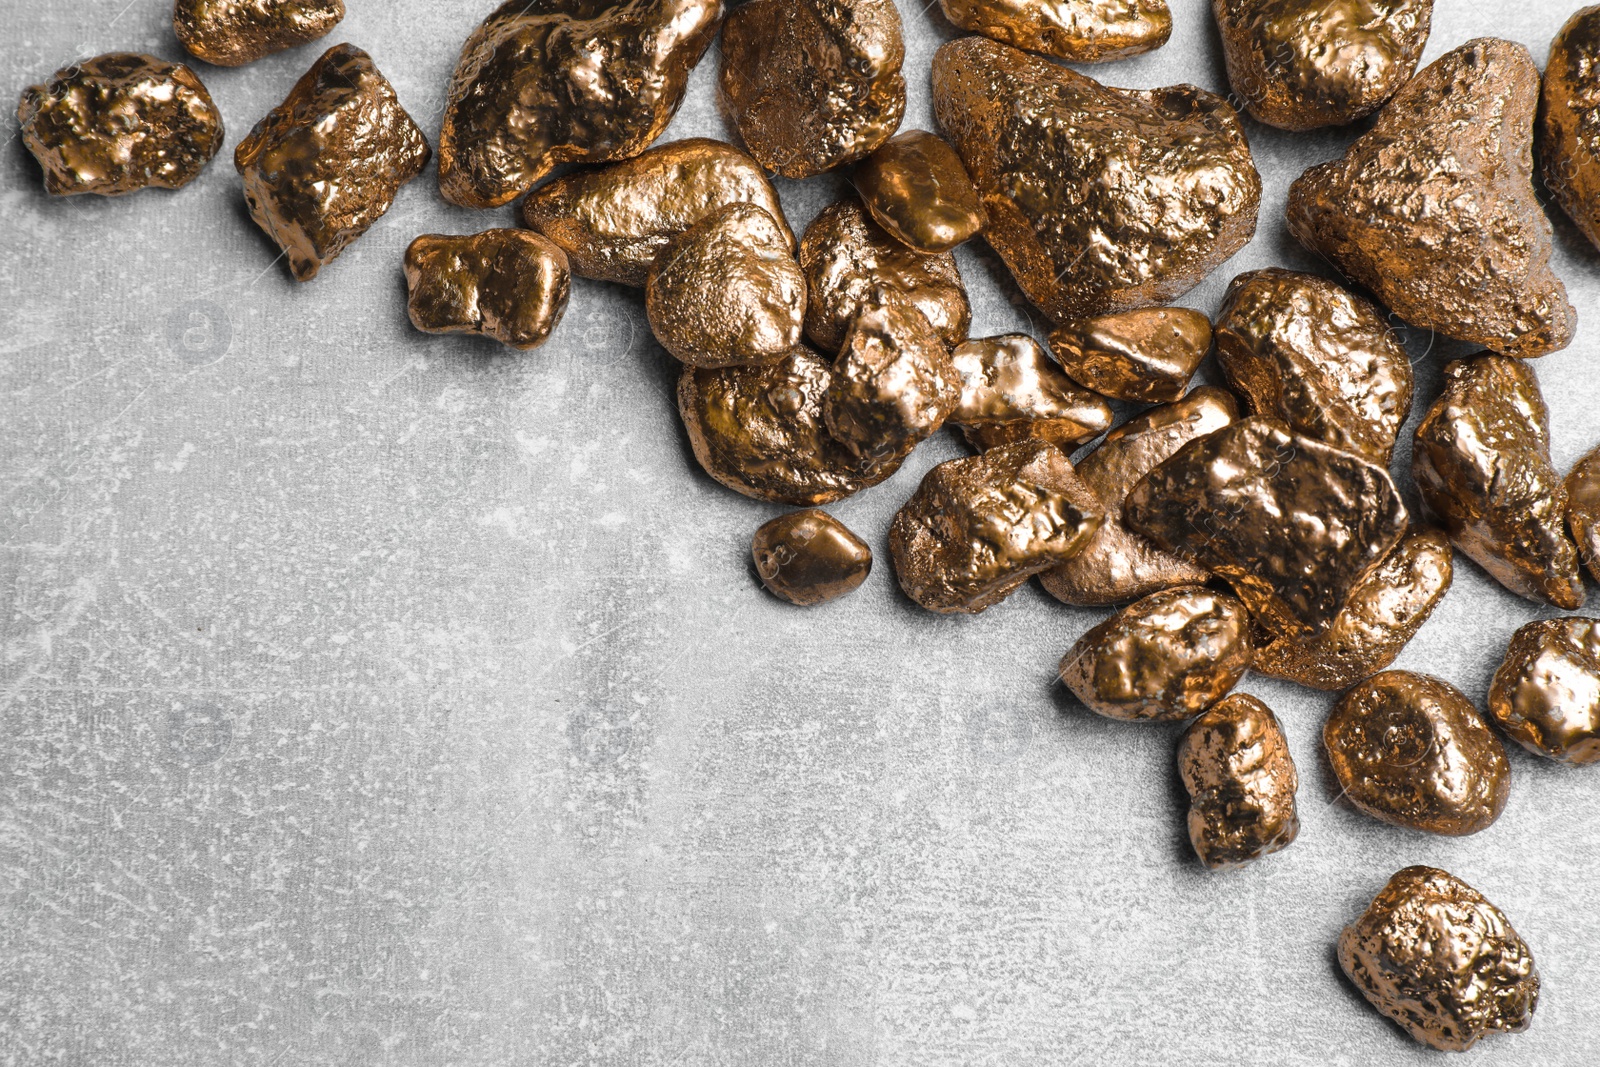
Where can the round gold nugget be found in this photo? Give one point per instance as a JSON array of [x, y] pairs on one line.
[[809, 557], [1236, 767], [1546, 694]]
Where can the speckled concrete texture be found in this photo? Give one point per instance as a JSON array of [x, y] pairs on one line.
[[371, 697]]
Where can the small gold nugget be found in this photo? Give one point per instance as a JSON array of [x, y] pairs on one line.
[[1433, 209], [1168, 656], [119, 123], [1411, 750], [231, 33], [1147, 355], [809, 557], [1441, 961], [1569, 141], [1084, 31], [510, 285], [1546, 694], [1583, 508], [1012, 390], [915, 187], [1235, 764]]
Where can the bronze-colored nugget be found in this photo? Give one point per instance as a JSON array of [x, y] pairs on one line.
[[119, 123], [1569, 121], [1436, 957], [1012, 390], [1118, 565], [1146, 355], [564, 81], [1235, 764], [1294, 525], [1303, 64], [893, 382], [325, 164], [1411, 750], [809, 557], [1583, 508], [1097, 199], [613, 221], [978, 528], [1546, 694], [510, 285], [1168, 656], [1084, 31], [1383, 614], [728, 291], [1433, 209], [813, 84], [231, 33], [1317, 358], [1482, 465], [848, 258], [916, 188]]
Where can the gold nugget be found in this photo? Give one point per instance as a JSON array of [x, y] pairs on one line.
[[1146, 355], [231, 33], [510, 285], [915, 187], [1569, 141], [1012, 390], [893, 384], [809, 557], [1583, 508], [1546, 694], [1236, 767], [1084, 31]]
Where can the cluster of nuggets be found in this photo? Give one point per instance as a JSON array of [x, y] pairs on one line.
[[1249, 527]]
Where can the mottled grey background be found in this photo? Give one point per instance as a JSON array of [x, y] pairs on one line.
[[377, 698]]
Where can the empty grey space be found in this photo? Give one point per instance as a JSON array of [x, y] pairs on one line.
[[370, 697]]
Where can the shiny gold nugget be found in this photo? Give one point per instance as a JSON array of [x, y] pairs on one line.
[[1441, 961], [893, 383], [231, 33], [1236, 767], [1583, 508], [915, 187], [1569, 141], [1084, 31], [1012, 390], [1546, 694], [1146, 355], [809, 557], [510, 285], [1411, 750]]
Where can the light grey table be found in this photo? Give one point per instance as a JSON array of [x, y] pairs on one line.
[[377, 698]]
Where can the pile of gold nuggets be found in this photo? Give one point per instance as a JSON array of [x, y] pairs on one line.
[[1252, 527]]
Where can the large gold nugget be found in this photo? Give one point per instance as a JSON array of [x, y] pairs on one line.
[[564, 81], [231, 33], [1546, 694], [813, 84], [1084, 31], [848, 258], [510, 285], [1294, 525], [325, 164], [1317, 358], [916, 188], [809, 557], [1433, 209], [1384, 613], [1147, 355], [614, 221], [119, 123], [1583, 508], [1118, 565], [727, 291], [1098, 199], [1168, 656], [1012, 390], [1411, 750], [893, 382], [1436, 957], [978, 528], [1482, 466], [1236, 767], [1569, 129], [1303, 64]]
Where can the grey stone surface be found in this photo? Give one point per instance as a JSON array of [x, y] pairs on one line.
[[368, 697]]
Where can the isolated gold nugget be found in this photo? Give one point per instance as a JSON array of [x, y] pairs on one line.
[[893, 383], [119, 123], [1241, 780], [1294, 525], [1302, 64], [809, 557], [1118, 565], [813, 84], [1383, 614], [978, 528], [1436, 957], [1546, 694], [614, 221], [1012, 390], [1084, 31], [1317, 358], [1433, 209], [1168, 656], [1147, 355], [1582, 485], [915, 187], [1482, 466], [727, 291], [510, 285], [1569, 131], [564, 81], [1411, 750], [1097, 199], [231, 33]]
